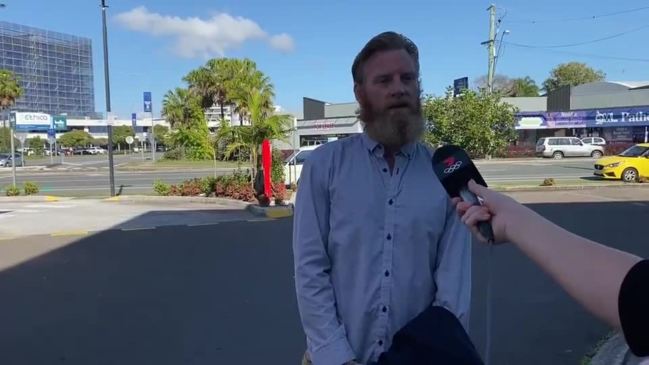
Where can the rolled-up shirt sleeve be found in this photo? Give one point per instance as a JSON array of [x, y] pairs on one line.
[[453, 271], [326, 337]]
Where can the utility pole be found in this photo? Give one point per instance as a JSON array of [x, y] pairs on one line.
[[491, 46], [109, 122]]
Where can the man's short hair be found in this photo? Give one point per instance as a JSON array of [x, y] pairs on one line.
[[386, 41]]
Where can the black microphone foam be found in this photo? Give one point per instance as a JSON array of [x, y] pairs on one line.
[[454, 168]]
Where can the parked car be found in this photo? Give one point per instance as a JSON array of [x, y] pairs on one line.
[[597, 141], [560, 147], [7, 161], [628, 166], [293, 164], [95, 150]]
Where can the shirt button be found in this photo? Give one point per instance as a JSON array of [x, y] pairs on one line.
[[385, 170], [384, 309], [387, 273], [390, 202], [389, 237], [380, 342]]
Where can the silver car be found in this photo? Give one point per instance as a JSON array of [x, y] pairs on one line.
[[6, 160], [560, 147]]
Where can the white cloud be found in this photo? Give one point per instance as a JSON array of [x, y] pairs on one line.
[[282, 42], [202, 37]]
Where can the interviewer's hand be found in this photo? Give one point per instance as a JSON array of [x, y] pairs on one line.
[[503, 211]]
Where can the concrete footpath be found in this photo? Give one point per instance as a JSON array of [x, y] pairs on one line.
[[26, 216]]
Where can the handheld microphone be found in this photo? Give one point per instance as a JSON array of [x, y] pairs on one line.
[[455, 169]]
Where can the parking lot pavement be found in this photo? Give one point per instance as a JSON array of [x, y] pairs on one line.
[[635, 194], [78, 217]]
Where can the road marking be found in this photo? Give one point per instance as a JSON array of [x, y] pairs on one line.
[[49, 206], [137, 229], [203, 224], [640, 204], [257, 220], [69, 233]]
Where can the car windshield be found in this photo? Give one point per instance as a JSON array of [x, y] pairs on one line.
[[540, 141], [634, 151]]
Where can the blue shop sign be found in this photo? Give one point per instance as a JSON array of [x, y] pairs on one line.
[[590, 118]]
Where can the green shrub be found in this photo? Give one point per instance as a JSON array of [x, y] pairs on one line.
[[548, 182], [161, 188], [12, 191], [30, 188], [174, 154], [208, 185], [277, 168]]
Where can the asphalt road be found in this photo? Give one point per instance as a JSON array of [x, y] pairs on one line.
[[95, 183], [223, 294]]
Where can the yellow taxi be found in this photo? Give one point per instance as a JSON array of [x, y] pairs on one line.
[[628, 166]]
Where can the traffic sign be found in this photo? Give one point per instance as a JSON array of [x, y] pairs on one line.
[[12, 120], [147, 102], [134, 122], [460, 85], [60, 122], [110, 118], [129, 140]]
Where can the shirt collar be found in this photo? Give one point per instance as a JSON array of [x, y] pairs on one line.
[[374, 146]]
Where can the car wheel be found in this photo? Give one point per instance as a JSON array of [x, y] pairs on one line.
[[557, 155], [630, 175], [596, 154]]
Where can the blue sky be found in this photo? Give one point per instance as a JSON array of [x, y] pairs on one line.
[[307, 47]]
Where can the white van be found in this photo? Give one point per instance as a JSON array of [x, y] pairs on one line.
[[293, 164]]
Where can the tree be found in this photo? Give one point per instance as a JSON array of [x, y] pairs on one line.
[[161, 133], [502, 83], [511, 87], [524, 86], [572, 74], [264, 124], [120, 133], [184, 113], [75, 138], [213, 82], [477, 121], [37, 144], [10, 91]]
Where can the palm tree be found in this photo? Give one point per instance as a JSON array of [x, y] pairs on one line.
[[213, 83], [176, 107], [10, 90], [248, 78], [264, 124]]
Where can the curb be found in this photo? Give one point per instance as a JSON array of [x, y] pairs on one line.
[[181, 199], [281, 211], [565, 188], [32, 198]]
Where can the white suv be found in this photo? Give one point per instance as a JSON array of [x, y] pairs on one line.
[[597, 141], [293, 164], [560, 147]]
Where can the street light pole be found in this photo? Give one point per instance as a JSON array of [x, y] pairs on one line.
[[109, 126]]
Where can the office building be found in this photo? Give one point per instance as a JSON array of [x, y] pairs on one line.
[[54, 69]]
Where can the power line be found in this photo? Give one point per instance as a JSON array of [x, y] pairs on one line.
[[580, 43], [591, 17], [588, 55]]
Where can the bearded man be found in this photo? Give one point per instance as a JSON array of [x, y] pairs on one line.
[[376, 239]]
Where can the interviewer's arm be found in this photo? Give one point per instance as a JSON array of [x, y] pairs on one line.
[[590, 272], [326, 336]]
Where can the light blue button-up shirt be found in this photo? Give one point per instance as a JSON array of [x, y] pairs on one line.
[[372, 248]]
